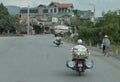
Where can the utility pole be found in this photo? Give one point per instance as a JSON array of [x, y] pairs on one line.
[[28, 29]]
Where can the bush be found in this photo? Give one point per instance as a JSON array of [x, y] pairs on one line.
[[90, 35]]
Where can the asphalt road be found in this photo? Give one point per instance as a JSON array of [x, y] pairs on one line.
[[37, 59]]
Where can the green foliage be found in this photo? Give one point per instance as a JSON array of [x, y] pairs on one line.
[[8, 23], [82, 23], [110, 25], [3, 10], [90, 35]]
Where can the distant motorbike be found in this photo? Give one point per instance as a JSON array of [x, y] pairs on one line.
[[58, 42], [80, 63], [59, 34]]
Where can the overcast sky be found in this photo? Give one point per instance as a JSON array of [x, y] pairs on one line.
[[100, 5]]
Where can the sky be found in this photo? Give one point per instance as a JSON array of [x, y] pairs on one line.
[[99, 5]]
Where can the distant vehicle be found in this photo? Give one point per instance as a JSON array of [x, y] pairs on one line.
[[61, 28], [58, 41]]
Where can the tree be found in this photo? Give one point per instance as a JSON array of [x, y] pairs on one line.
[[110, 25], [8, 23], [3, 11]]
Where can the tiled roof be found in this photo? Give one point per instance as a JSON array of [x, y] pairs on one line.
[[61, 5]]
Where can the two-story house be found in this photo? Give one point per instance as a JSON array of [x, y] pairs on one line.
[[60, 11]]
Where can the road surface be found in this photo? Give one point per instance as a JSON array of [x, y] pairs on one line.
[[37, 59]]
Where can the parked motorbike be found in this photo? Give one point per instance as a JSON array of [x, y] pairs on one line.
[[80, 63]]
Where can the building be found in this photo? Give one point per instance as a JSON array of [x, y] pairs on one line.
[[83, 15], [54, 9], [54, 13], [36, 17], [59, 11]]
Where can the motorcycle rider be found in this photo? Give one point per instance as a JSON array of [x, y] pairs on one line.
[[78, 48], [80, 58], [58, 39]]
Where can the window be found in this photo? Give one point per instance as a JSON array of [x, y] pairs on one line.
[[54, 10], [51, 10], [23, 11], [33, 11], [59, 10], [45, 11]]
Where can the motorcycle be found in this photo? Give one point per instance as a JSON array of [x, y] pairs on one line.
[[58, 42], [80, 63]]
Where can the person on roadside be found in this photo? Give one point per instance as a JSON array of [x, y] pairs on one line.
[[106, 45]]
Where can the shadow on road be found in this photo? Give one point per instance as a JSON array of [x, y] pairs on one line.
[[70, 73]]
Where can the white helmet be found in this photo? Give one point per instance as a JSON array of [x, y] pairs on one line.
[[79, 41]]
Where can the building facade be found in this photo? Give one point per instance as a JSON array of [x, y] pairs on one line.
[[83, 15], [54, 13]]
